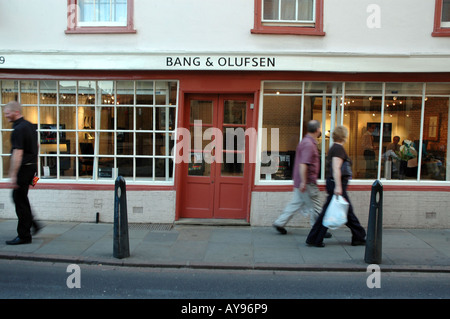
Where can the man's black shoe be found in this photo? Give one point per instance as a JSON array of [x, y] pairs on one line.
[[328, 235], [18, 241], [280, 229], [316, 245]]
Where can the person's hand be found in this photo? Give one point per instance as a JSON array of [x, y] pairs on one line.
[[302, 187], [338, 190], [13, 182]]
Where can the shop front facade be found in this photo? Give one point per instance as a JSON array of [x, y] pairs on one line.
[[211, 134]]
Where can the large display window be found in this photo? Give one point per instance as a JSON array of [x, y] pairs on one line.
[[97, 130], [397, 131]]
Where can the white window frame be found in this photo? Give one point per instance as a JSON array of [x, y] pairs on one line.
[[102, 23], [295, 22]]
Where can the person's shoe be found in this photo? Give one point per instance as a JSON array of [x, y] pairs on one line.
[[18, 241], [328, 235], [36, 228], [316, 245], [358, 242], [280, 229]]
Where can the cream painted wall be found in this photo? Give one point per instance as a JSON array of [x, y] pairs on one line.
[[218, 26]]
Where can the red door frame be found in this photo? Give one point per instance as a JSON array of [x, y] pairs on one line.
[[207, 200]]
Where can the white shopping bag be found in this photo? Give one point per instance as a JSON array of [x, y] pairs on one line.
[[336, 214]]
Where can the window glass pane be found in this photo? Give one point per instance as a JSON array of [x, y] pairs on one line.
[[234, 112], [281, 113], [6, 144], [125, 143], [438, 89], [67, 92], [144, 118], [67, 117], [103, 10], [86, 159], [47, 91], [48, 116], [105, 167], [119, 10], [125, 166], [125, 118], [288, 9], [125, 92], [144, 92], [28, 92], [106, 143], [404, 89], [160, 143], [435, 139], [106, 92], [144, 167], [201, 111], [67, 142], [10, 91], [163, 169], [144, 143], [319, 87], [165, 118], [362, 118], [87, 10], [233, 164], [164, 90], [446, 11], [271, 9], [107, 118], [86, 117], [6, 162], [363, 88], [282, 87], [67, 167], [86, 92], [306, 10]]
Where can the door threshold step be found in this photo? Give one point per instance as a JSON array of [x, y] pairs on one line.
[[212, 222]]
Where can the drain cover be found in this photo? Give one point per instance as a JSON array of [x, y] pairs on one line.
[[152, 226]]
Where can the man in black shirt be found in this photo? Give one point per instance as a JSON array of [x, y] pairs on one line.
[[23, 167]]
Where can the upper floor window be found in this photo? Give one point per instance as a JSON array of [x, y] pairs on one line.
[[442, 19], [100, 16], [289, 17]]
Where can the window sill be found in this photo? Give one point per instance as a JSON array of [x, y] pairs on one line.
[[288, 31], [100, 30], [441, 32]]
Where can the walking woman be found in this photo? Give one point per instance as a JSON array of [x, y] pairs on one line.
[[338, 168]]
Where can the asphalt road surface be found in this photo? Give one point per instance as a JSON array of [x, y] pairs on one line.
[[246, 289]]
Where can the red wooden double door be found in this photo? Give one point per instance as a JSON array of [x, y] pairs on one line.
[[216, 180]]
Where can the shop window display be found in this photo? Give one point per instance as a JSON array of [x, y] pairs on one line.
[[396, 130], [94, 130]]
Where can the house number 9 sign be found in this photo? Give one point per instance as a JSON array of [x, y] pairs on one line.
[[2, 59]]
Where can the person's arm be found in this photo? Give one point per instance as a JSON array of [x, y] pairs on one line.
[[336, 163], [16, 161], [302, 171]]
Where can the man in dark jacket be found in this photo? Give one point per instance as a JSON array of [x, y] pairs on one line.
[[23, 166]]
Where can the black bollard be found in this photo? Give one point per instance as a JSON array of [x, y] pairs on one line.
[[121, 242], [375, 226]]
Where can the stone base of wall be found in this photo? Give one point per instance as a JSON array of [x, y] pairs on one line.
[[400, 209], [82, 206]]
